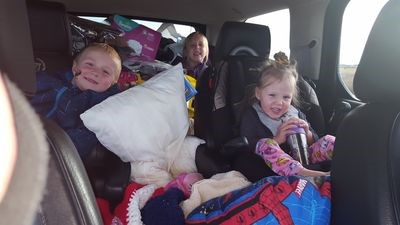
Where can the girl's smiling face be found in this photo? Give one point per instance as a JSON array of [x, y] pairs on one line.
[[94, 70], [196, 50], [275, 98]]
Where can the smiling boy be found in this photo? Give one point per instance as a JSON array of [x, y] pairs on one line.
[[63, 96]]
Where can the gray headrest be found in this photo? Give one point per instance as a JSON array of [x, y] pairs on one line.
[[377, 78], [239, 38]]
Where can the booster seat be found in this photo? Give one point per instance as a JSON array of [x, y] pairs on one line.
[[240, 51]]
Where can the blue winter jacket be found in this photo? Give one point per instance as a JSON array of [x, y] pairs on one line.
[[58, 99]]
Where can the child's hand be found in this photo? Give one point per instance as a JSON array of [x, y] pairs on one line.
[[285, 129], [303, 124]]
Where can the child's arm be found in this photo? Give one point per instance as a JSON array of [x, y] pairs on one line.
[[312, 136], [74, 102], [312, 173], [282, 163], [70, 105]]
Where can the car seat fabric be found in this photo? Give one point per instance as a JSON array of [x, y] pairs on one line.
[[309, 104], [365, 166], [238, 38], [240, 49], [51, 38], [15, 43], [69, 197]]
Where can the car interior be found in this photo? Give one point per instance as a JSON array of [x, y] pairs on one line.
[[365, 165]]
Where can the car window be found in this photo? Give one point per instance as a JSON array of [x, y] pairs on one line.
[[279, 25], [358, 19]]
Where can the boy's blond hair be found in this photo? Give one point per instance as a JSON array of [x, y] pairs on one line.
[[108, 50]]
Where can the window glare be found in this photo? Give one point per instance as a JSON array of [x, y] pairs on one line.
[[279, 26], [358, 19]]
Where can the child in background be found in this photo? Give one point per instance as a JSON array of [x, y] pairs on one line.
[[195, 61], [63, 96], [271, 118], [195, 54]]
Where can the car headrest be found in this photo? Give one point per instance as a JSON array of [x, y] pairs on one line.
[[16, 46], [50, 32], [238, 38], [377, 78]]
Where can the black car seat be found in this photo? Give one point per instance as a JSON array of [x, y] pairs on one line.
[[240, 51], [366, 161], [15, 43], [240, 47], [51, 40]]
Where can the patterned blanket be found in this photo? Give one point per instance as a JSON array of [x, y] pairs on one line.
[[272, 200]]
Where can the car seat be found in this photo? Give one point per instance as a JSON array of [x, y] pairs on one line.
[[240, 51], [68, 197], [15, 43], [366, 161], [51, 40]]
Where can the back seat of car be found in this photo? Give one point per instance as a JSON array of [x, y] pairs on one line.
[[68, 191], [68, 197], [107, 173]]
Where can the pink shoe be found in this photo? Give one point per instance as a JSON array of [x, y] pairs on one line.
[[184, 182]]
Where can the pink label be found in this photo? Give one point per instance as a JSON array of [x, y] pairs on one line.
[[143, 40]]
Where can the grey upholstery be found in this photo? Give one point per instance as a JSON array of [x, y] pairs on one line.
[[366, 160], [69, 198]]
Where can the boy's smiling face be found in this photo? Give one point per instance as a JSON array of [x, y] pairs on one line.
[[94, 70]]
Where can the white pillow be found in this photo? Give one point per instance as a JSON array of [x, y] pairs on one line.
[[145, 122], [176, 162], [184, 161]]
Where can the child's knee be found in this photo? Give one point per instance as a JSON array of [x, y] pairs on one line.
[[326, 142]]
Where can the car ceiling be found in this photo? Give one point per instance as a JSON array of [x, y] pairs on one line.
[[203, 12]]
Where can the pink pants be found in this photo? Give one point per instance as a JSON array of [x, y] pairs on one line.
[[283, 164]]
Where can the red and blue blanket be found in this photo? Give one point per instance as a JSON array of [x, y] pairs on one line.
[[272, 200]]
